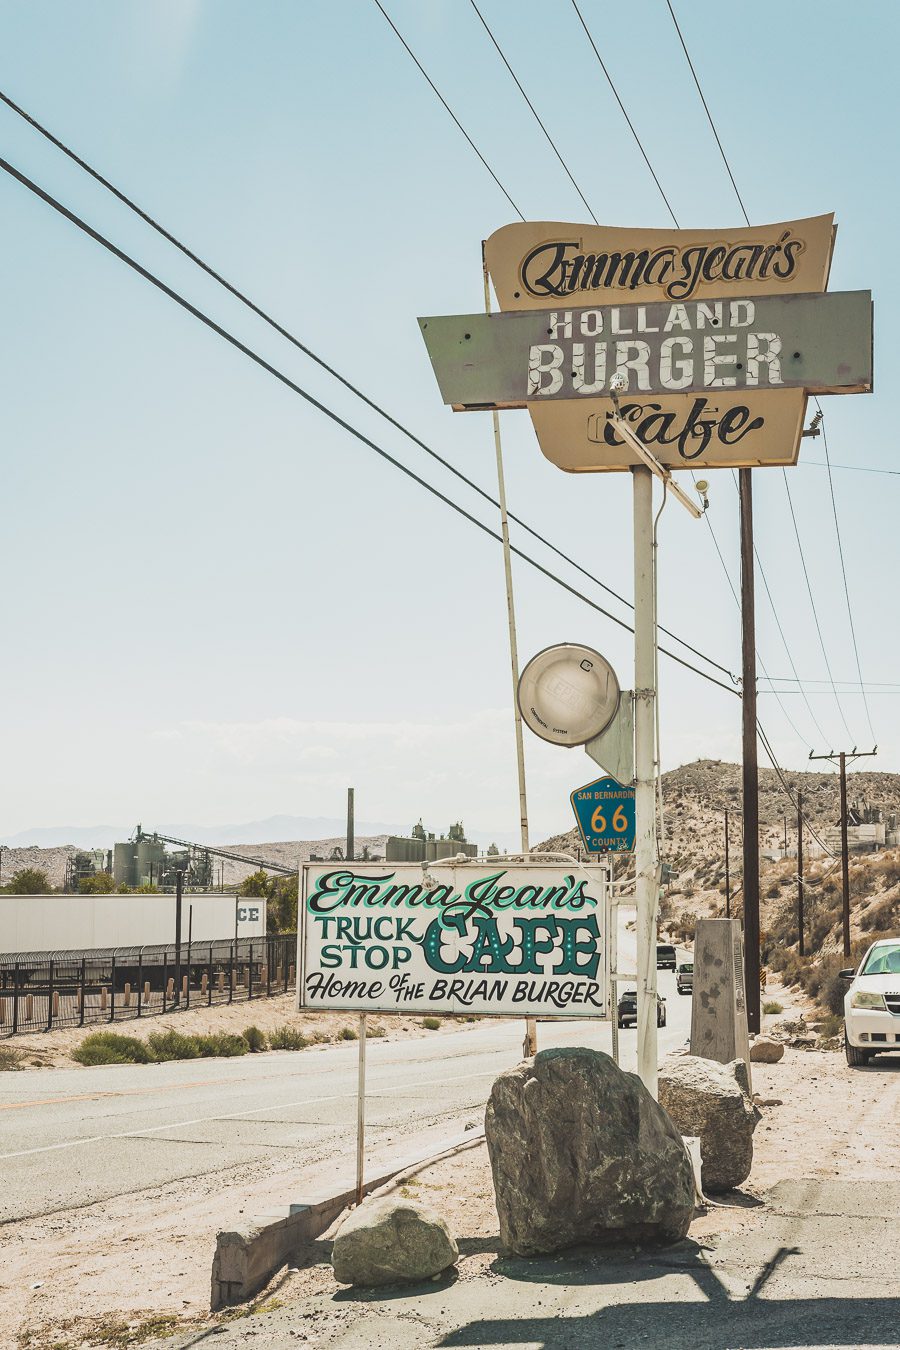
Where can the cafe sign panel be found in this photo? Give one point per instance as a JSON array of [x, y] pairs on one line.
[[720, 337], [524, 939]]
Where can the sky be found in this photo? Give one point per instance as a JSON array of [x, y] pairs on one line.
[[218, 605]]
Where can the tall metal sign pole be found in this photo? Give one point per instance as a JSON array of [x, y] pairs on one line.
[[646, 861], [750, 758]]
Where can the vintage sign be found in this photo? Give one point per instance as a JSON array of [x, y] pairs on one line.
[[541, 265], [454, 938], [605, 814], [819, 343]]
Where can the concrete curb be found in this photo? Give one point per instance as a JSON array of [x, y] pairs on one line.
[[246, 1258]]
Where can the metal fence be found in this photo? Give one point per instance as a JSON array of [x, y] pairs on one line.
[[73, 989]]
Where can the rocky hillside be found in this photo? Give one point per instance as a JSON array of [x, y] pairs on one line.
[[695, 799]]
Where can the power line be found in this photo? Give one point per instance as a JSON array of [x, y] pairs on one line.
[[322, 407], [446, 105], [534, 112], [324, 365], [709, 117], [853, 468], [763, 738], [825, 443], [615, 91], [803, 740], [837, 530], [787, 488], [787, 649]]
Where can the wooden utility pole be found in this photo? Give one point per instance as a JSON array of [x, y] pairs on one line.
[[351, 842], [727, 874], [840, 758], [800, 940], [750, 758]]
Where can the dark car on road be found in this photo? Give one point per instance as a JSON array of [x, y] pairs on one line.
[[626, 1012], [684, 978], [665, 957]]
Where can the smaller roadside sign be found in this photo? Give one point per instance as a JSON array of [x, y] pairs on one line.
[[604, 811]]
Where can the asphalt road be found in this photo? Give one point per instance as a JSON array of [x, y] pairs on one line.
[[70, 1137]]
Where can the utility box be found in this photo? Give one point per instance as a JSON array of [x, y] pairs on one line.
[[719, 1005]]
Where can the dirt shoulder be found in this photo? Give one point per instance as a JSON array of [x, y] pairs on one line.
[[831, 1122]]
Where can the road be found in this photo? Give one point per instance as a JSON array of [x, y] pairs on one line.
[[70, 1138]]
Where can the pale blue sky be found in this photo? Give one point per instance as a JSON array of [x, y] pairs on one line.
[[218, 606]]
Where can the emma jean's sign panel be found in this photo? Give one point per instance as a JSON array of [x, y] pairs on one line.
[[520, 939]]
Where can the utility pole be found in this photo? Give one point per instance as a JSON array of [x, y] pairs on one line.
[[727, 874], [179, 882], [750, 757], [840, 758], [351, 842], [800, 941], [529, 1046]]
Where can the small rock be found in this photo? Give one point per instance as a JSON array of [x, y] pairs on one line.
[[766, 1051], [392, 1241]]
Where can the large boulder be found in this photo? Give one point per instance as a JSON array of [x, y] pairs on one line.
[[712, 1100], [766, 1051], [391, 1241], [581, 1153]]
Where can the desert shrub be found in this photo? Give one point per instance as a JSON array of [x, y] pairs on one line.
[[374, 1029], [431, 1023], [832, 1026], [348, 1034], [166, 1045], [287, 1038], [221, 1044], [888, 868], [9, 1059], [256, 1039], [108, 1047], [772, 1007], [883, 913]]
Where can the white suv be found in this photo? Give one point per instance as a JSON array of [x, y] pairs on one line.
[[872, 1003]]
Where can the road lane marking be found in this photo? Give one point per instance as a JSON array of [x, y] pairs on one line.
[[237, 1115]]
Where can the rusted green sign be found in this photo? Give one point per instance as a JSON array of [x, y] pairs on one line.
[[819, 343]]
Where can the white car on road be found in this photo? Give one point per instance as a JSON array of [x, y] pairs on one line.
[[872, 1003]]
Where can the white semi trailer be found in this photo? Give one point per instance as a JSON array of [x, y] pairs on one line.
[[57, 923]]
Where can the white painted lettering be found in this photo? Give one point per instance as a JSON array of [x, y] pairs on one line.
[[638, 363], [768, 355], [544, 359], [676, 371], [579, 383], [713, 359]]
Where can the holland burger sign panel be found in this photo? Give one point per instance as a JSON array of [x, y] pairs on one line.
[[680, 401], [466, 938]]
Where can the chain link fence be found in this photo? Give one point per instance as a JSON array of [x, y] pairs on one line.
[[73, 989]]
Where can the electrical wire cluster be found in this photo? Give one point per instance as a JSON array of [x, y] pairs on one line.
[[445, 497]]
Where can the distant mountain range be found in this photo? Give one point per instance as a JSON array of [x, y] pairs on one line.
[[249, 832]]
